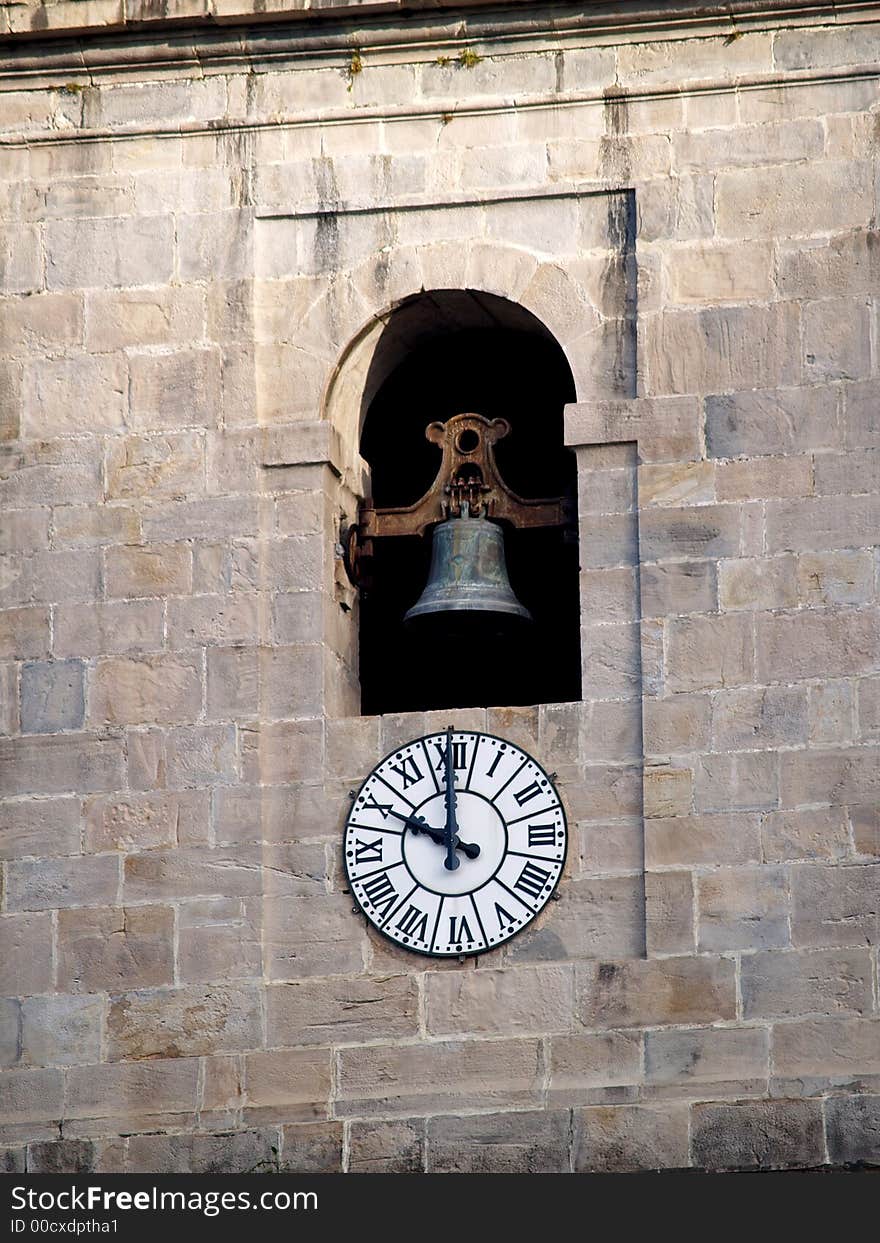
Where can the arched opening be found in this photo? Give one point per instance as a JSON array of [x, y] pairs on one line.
[[444, 353]]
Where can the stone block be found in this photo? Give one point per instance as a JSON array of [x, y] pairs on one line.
[[52, 696], [114, 626], [89, 253], [170, 465], [10, 1031], [342, 1011], [115, 948], [215, 246], [711, 273], [289, 1084], [762, 1135], [722, 348], [669, 913], [741, 781], [61, 1030], [29, 1096], [220, 941], [839, 643], [24, 530], [587, 1068], [133, 1090], [815, 525], [816, 982], [758, 583], [831, 713], [767, 717], [743, 908], [678, 587], [175, 390], [654, 992], [21, 260], [312, 936], [13, 1160], [852, 1125], [64, 1156], [687, 841], [213, 518], [749, 478], [861, 419], [135, 318], [701, 1060], [24, 633], [240, 1152], [835, 905], [164, 875], [91, 525], [774, 421], [807, 777], [529, 1142], [27, 960], [610, 661], [64, 396], [701, 531], [152, 570], [507, 1002], [183, 1022], [827, 1048], [842, 473], [383, 1080], [831, 578], [837, 339], [812, 833], [668, 791], [312, 1148], [794, 200], [865, 824], [198, 620], [709, 652], [59, 763], [233, 682], [610, 847], [62, 577], [620, 1138], [43, 884], [286, 751], [824, 47], [675, 724], [40, 828], [136, 691], [387, 1147], [143, 821], [200, 755]]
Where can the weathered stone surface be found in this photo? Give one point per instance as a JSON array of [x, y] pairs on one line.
[[377, 1080], [336, 1011], [42, 884], [770, 717], [649, 993], [507, 1143], [26, 963], [709, 652], [684, 841], [61, 1030], [290, 1084], [737, 781], [52, 696], [387, 1147], [104, 628], [31, 1095], [828, 1047], [804, 834], [773, 421], [696, 1061], [133, 1090], [619, 1138], [66, 1156], [515, 1001], [242, 1152], [125, 251], [183, 1022], [312, 1148], [743, 908], [115, 948], [669, 907], [593, 918], [164, 689], [678, 587], [758, 583], [40, 828], [152, 570], [593, 1067], [758, 1135], [835, 905], [815, 982], [852, 1124]]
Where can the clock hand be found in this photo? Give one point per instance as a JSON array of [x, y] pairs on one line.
[[471, 849], [451, 861]]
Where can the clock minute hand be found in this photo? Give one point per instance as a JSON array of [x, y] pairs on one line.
[[451, 861], [471, 849]]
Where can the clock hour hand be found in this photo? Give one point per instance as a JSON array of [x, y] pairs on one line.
[[471, 849]]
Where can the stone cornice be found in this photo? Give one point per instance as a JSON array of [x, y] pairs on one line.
[[329, 23]]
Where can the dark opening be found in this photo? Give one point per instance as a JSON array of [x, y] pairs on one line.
[[445, 353]]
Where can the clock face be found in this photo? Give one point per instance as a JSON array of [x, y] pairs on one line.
[[458, 866]]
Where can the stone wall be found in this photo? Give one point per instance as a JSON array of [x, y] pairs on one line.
[[204, 237]]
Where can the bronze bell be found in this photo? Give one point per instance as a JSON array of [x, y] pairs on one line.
[[468, 575]]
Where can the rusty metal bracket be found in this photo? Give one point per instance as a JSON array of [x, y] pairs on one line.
[[468, 483]]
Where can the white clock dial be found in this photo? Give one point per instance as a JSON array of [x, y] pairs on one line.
[[454, 843]]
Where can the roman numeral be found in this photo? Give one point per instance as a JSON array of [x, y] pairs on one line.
[[372, 805], [368, 852], [532, 880], [526, 793], [542, 835], [409, 772], [504, 917], [414, 923], [459, 754], [459, 930], [498, 758], [381, 893]]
